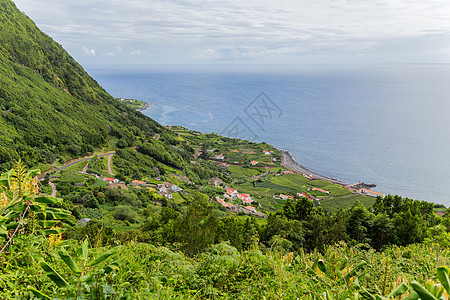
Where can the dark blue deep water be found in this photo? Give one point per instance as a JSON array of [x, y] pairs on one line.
[[384, 124]]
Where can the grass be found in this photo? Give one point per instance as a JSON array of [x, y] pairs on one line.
[[257, 192], [77, 167], [72, 177], [295, 181], [239, 171], [100, 182], [177, 198], [275, 169], [346, 202]]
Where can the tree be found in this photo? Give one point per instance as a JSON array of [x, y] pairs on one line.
[[359, 223], [197, 228]]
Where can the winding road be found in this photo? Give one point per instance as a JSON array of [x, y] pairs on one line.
[[80, 160]]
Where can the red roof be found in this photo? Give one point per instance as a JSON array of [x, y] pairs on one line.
[[108, 179], [250, 207], [373, 192], [231, 191], [320, 190], [227, 205]]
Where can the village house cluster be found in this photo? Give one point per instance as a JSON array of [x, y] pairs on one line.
[[165, 189], [232, 195]]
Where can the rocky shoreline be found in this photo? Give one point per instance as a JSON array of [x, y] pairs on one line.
[[144, 107], [289, 162]]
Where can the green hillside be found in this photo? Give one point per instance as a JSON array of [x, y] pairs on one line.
[[187, 215], [50, 106]]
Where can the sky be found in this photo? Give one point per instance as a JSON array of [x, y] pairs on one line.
[[115, 32]]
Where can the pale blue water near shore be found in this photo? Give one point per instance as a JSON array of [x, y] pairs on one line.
[[384, 124]]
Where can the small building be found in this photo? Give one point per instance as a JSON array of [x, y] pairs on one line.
[[285, 197], [220, 200], [223, 165], [287, 172], [320, 190], [246, 198], [138, 183], [370, 193], [83, 222], [266, 152], [110, 180], [251, 208], [219, 157], [175, 188], [231, 192], [305, 195], [254, 162], [227, 205]]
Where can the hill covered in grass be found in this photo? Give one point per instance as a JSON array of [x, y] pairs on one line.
[[49, 106]]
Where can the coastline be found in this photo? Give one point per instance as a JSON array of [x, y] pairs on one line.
[[144, 107], [289, 162]]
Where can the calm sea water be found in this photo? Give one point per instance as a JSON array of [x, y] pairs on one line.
[[386, 124]]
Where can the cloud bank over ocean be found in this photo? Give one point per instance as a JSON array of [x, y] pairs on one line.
[[324, 31]]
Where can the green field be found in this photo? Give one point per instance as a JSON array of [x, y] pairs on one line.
[[77, 167], [346, 202], [294, 181], [239, 171]]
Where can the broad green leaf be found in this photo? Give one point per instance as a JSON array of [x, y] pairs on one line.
[[48, 224], [47, 200], [53, 275], [423, 292], [102, 257], [353, 272], [442, 275], [108, 290], [366, 294], [37, 207], [322, 266], [69, 261], [84, 249], [114, 265], [12, 225], [87, 278], [327, 296], [343, 264], [402, 288], [33, 172], [310, 271], [413, 296], [38, 294]]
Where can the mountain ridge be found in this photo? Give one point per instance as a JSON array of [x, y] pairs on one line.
[[49, 105]]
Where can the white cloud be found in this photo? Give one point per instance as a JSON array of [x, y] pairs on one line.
[[88, 52], [136, 52], [117, 51], [252, 30]]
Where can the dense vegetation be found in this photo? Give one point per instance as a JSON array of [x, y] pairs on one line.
[[37, 262], [50, 107], [130, 240]]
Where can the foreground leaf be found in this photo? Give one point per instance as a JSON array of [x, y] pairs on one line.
[[53, 275], [102, 257]]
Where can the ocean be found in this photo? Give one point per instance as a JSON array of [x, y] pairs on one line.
[[382, 124]]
